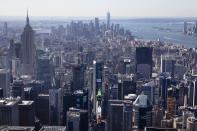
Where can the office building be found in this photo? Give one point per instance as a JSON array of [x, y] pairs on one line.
[[28, 49], [142, 112], [68, 101], [42, 108], [114, 92], [16, 67], [5, 82], [108, 20], [195, 93], [167, 64], [55, 106], [128, 115], [192, 93], [126, 85], [17, 89], [96, 25], [18, 50], [90, 58], [44, 70], [149, 89], [78, 77], [77, 99], [77, 120], [171, 103], [4, 57], [1, 93], [157, 116], [125, 66], [80, 99], [11, 54], [26, 113], [9, 111], [37, 86], [116, 117], [191, 124], [5, 28], [15, 112], [11, 49], [30, 94], [164, 81], [185, 28], [144, 61]]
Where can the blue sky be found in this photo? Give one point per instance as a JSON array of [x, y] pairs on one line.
[[123, 8]]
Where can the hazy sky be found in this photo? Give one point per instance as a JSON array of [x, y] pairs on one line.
[[124, 8]]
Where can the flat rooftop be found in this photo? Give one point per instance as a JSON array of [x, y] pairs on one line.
[[16, 128], [26, 103], [9, 101], [53, 128]]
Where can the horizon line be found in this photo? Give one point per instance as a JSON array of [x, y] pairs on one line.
[[112, 17]]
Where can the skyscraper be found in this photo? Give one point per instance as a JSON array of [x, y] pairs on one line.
[[185, 28], [55, 106], [96, 24], [42, 108], [126, 85], [167, 64], [142, 112], [108, 20], [149, 89], [77, 120], [28, 49], [116, 117], [26, 108], [78, 77], [5, 82], [44, 70], [17, 89], [144, 61], [5, 28], [192, 97], [9, 111]]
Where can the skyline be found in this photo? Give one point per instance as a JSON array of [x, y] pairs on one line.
[[90, 8]]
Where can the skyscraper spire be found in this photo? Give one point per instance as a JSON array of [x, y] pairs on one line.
[[27, 19], [108, 19]]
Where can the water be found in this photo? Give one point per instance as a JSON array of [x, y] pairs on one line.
[[150, 29], [168, 30]]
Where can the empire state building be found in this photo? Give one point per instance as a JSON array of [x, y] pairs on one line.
[[28, 50]]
